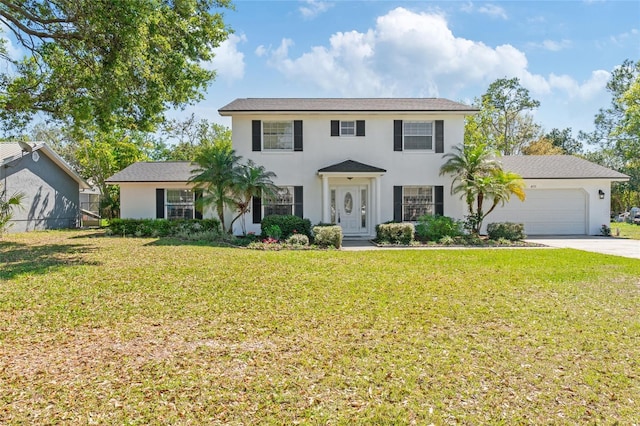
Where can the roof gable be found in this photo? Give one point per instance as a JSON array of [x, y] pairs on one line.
[[350, 166], [13, 151]]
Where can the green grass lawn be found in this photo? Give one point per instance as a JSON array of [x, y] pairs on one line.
[[141, 331], [627, 230]]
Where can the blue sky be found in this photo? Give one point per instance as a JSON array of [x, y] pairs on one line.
[[563, 52]]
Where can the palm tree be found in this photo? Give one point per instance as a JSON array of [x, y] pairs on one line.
[[478, 175], [6, 208], [216, 174], [251, 181]]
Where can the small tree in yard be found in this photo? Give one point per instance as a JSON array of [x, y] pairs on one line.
[[251, 181], [7, 204], [478, 177]]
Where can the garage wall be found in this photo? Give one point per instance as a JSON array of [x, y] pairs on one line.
[[559, 206]]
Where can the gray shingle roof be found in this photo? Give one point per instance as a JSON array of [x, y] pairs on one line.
[[558, 167], [350, 166], [344, 105], [161, 171]]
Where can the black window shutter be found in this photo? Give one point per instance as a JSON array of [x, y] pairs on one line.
[[335, 128], [257, 209], [198, 209], [297, 201], [439, 199], [397, 135], [397, 204], [439, 136], [159, 203], [297, 135], [360, 128], [256, 135]]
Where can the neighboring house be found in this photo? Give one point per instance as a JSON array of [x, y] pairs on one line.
[[51, 186], [362, 162]]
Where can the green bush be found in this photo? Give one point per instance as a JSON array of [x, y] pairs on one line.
[[395, 233], [161, 227], [328, 236], [272, 231], [434, 228], [289, 225], [506, 230]]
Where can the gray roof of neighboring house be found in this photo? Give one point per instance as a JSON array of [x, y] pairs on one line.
[[344, 105], [13, 151], [160, 171], [350, 166], [558, 167]]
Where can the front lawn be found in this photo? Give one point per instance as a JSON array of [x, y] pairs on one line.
[[104, 330], [627, 230]]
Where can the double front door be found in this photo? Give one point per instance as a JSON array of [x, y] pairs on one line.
[[349, 209]]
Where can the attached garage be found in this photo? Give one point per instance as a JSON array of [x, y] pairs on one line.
[[566, 195], [548, 212]]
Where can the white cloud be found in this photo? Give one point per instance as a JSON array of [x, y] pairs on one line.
[[416, 54], [486, 9], [556, 46], [228, 62], [313, 8]]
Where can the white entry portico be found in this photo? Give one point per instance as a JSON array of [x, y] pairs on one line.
[[351, 197]]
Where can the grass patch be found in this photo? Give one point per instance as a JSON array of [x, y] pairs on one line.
[[627, 230], [129, 331]]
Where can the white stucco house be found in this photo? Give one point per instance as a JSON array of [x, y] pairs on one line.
[[361, 162]]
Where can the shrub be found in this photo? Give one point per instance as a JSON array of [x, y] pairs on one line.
[[507, 230], [298, 240], [328, 236], [162, 227], [447, 240], [272, 232], [395, 233], [433, 228], [289, 225]]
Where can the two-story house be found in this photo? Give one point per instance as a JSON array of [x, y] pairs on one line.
[[354, 162], [361, 162]]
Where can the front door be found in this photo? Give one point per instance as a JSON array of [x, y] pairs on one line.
[[350, 207]]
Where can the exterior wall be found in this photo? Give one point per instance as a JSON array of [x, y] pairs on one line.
[[320, 150], [52, 197], [597, 210], [138, 200]]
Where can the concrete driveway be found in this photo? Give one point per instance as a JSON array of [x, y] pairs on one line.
[[605, 245]]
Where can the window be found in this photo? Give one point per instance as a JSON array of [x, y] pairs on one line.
[[347, 128], [282, 203], [418, 135], [416, 201], [277, 135], [180, 204]]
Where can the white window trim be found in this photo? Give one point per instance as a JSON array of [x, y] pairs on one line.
[[265, 149], [404, 135], [429, 205], [349, 135], [291, 189], [191, 203]]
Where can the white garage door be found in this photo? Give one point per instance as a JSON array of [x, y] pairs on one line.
[[547, 212]]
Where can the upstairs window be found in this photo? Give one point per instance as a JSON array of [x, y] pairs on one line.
[[277, 135], [418, 135], [347, 128]]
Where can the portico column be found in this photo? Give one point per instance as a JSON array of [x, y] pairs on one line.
[[326, 214], [378, 215]]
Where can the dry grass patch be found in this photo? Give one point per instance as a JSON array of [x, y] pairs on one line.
[[141, 331]]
